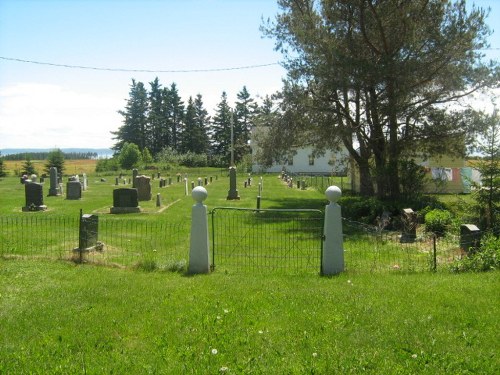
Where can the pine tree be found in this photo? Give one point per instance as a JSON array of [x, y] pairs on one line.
[[155, 118], [195, 137], [134, 128], [55, 158], [28, 167], [3, 170], [243, 121], [173, 117], [221, 130]]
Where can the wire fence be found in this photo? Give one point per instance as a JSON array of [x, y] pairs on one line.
[[123, 242], [242, 240]]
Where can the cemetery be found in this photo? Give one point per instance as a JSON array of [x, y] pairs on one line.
[[263, 233]]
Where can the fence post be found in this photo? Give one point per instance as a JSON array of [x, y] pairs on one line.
[[333, 249], [199, 256]]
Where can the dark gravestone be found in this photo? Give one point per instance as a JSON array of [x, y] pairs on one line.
[[233, 192], [135, 172], [73, 190], [470, 238], [33, 192], [125, 201], [88, 231], [143, 186]]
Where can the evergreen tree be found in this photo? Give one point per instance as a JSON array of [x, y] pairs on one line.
[[221, 130], [173, 117], [244, 113], [129, 156], [28, 167], [55, 158], [155, 118], [135, 122], [3, 170], [195, 138]]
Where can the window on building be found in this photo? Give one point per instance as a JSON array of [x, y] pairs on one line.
[[311, 159]]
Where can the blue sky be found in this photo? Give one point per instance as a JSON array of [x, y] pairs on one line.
[[47, 106]]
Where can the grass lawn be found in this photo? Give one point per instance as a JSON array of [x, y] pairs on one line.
[[60, 318]]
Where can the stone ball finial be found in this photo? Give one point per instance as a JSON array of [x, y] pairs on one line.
[[333, 194], [199, 194]]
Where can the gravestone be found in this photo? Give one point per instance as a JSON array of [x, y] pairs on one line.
[[33, 178], [409, 221], [143, 185], [135, 172], [158, 200], [84, 182], [73, 190], [88, 231], [233, 192], [125, 201], [54, 185], [33, 192], [470, 238]]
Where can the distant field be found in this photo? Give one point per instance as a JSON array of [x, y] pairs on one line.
[[71, 166]]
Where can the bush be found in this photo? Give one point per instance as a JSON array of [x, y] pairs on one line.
[[437, 221], [362, 209], [487, 258]]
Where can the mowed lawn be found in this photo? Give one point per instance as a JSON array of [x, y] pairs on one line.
[[57, 317]]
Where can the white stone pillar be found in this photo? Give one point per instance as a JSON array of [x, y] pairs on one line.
[[333, 248], [199, 252]]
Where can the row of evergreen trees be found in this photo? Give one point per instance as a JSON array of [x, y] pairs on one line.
[[45, 154], [158, 119]]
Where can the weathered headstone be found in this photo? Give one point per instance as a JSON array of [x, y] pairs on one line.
[[470, 238], [135, 172], [158, 200], [125, 201], [88, 231], [143, 185], [409, 221], [33, 192], [84, 182], [54, 185], [73, 190], [34, 178], [233, 192]]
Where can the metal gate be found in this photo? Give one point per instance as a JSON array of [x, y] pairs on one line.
[[277, 240]]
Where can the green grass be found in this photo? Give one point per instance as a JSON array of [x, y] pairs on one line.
[[59, 318]]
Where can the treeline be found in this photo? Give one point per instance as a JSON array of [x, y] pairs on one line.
[[157, 119], [44, 155]]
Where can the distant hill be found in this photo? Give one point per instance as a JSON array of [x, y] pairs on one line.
[[101, 152]]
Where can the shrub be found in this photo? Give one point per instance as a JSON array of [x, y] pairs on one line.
[[487, 258], [362, 209], [437, 221]]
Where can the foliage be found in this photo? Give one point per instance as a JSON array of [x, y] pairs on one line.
[[362, 209], [486, 258], [373, 76], [55, 158], [3, 171], [437, 221], [412, 179], [43, 155], [487, 194], [28, 167], [146, 157], [129, 156], [107, 165]]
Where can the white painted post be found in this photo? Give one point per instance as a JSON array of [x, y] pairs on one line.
[[333, 248], [186, 186], [199, 254]]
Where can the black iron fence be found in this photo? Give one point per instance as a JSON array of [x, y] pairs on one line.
[[283, 241], [242, 240], [121, 242]]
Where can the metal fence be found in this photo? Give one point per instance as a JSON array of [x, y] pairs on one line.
[[278, 241], [242, 240], [121, 241]]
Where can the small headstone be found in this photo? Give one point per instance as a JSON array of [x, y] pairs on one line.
[[233, 192], [470, 238], [116, 181], [33, 178], [84, 182], [125, 201], [135, 172], [158, 200], [73, 190], [143, 185], [88, 231], [409, 220], [33, 192]]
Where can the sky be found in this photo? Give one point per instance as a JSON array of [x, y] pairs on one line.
[[205, 47]]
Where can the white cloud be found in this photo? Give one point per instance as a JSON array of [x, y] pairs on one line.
[[44, 116]]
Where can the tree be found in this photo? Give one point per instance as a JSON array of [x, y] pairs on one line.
[[146, 156], [244, 114], [155, 118], [134, 128], [28, 167], [173, 117], [129, 156], [221, 130], [487, 194], [375, 76], [195, 138], [3, 170], [55, 158]]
